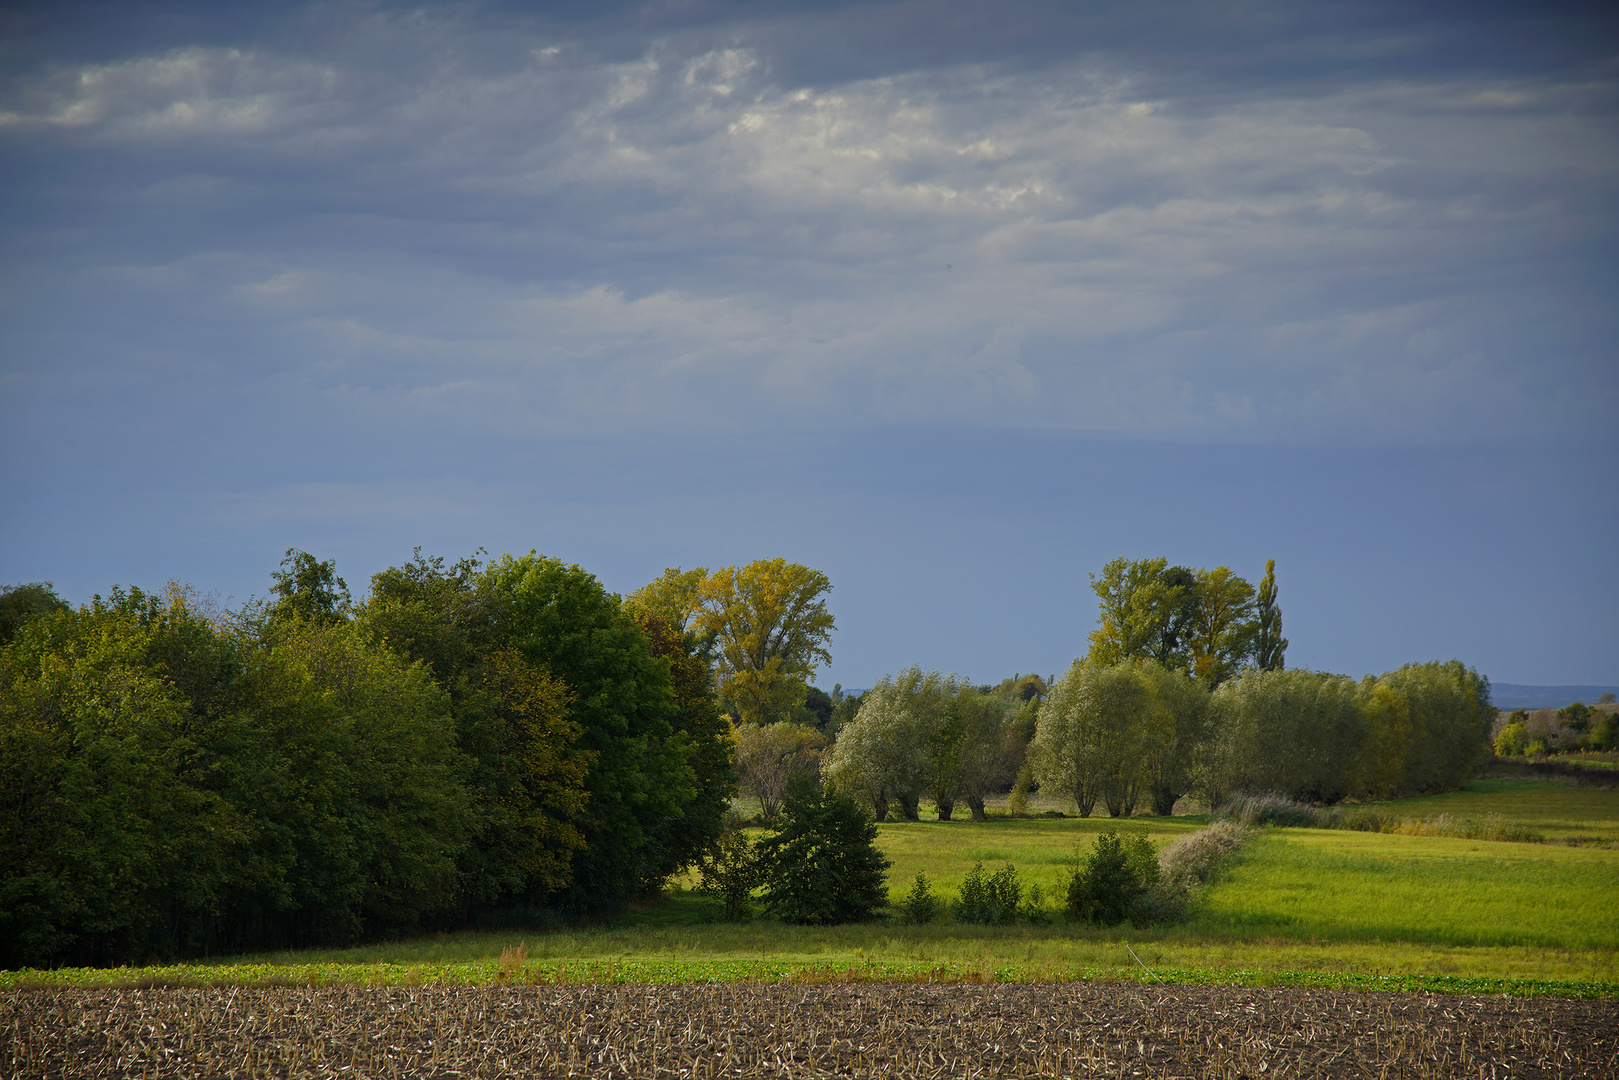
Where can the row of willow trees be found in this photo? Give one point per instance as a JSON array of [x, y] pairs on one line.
[[472, 743], [1137, 734]]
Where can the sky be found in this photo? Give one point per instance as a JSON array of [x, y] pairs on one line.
[[953, 301]]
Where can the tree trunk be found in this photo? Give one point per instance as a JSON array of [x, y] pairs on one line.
[[907, 807], [879, 806], [945, 807], [976, 803]]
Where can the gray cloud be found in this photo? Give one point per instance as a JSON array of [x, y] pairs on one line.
[[540, 233]]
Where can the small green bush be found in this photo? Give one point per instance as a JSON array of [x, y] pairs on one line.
[[731, 873], [823, 868], [920, 905], [989, 901], [1110, 881]]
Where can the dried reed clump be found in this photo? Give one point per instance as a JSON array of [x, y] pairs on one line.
[[1193, 860], [1269, 808], [896, 1031]]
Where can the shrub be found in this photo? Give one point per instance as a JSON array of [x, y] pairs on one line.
[[989, 901], [823, 867], [920, 905], [731, 873], [1109, 882], [1512, 740]]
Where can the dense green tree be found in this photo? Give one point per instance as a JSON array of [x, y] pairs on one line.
[[19, 603], [526, 768], [641, 780], [1297, 732], [823, 867], [1141, 604], [1174, 736], [984, 752], [1451, 716], [170, 786], [309, 589], [704, 730], [1220, 625]]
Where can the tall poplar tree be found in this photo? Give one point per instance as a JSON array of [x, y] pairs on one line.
[[1269, 644]]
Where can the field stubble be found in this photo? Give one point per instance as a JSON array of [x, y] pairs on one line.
[[894, 1031]]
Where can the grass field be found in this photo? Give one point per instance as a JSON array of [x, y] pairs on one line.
[[1301, 907]]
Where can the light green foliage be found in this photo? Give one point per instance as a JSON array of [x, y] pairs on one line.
[[675, 597], [731, 873], [1175, 735], [1091, 734], [823, 868], [771, 628], [1140, 602], [1513, 740], [995, 900], [1297, 732], [770, 757], [1220, 625], [982, 754], [890, 750], [1451, 717]]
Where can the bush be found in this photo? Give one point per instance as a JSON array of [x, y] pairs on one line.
[[920, 906], [1109, 883], [1512, 740], [731, 873], [992, 901], [823, 867]]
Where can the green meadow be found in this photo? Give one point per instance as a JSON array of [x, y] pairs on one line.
[[1298, 907]]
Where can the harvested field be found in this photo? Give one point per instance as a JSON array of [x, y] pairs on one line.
[[897, 1031]]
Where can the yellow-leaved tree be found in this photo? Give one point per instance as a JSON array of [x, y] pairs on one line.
[[770, 628]]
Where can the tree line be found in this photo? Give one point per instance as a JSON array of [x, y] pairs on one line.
[[1184, 691], [478, 742], [472, 742]]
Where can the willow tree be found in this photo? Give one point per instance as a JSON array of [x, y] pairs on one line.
[[1089, 740]]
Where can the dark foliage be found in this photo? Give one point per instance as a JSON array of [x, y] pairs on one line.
[[823, 867], [1112, 879]]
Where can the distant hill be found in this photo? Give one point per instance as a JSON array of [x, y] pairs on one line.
[[1518, 696]]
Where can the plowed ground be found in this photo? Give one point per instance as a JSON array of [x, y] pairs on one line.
[[896, 1031]]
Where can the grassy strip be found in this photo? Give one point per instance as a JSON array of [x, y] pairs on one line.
[[660, 972]]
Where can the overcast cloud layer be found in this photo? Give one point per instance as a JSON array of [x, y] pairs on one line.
[[273, 279]]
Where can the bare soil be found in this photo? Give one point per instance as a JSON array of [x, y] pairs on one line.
[[862, 1030]]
